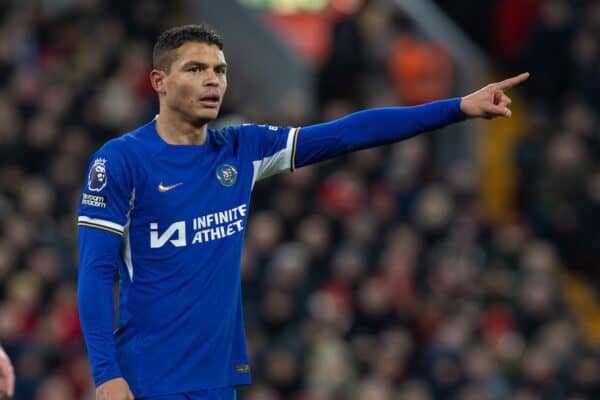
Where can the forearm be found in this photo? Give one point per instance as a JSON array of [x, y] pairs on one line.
[[98, 252], [371, 128]]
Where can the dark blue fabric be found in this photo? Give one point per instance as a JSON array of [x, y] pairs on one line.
[[99, 250], [216, 394], [171, 220], [371, 128]]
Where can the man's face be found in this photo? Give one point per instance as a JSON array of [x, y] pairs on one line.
[[196, 83]]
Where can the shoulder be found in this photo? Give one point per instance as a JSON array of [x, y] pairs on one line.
[[250, 129], [224, 136], [235, 135], [114, 147], [122, 155], [258, 132], [245, 136], [112, 155], [127, 145]]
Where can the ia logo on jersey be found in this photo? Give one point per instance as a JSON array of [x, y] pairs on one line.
[[227, 174], [97, 178]]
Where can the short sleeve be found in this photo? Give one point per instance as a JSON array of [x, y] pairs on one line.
[[272, 149], [107, 194]]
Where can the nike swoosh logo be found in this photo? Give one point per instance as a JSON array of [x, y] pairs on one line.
[[162, 188]]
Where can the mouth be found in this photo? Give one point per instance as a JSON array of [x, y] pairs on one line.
[[210, 101]]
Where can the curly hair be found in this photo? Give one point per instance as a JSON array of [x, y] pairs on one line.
[[169, 41]]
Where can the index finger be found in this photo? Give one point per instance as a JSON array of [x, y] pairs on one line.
[[514, 81]]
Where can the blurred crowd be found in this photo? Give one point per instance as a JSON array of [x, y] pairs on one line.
[[371, 277]]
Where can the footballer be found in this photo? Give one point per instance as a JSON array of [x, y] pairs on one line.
[[166, 205]]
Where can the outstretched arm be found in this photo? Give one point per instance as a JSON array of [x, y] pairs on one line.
[[381, 126]]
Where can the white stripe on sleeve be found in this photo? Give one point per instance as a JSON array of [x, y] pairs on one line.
[[101, 222], [278, 162]]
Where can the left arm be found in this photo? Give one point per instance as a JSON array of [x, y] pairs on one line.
[[381, 126]]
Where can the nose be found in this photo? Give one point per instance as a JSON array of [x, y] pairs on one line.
[[211, 78]]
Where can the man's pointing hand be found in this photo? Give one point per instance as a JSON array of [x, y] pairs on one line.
[[491, 101]]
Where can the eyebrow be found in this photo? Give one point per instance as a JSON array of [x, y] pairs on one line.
[[196, 63]]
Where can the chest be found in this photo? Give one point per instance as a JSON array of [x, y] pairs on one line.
[[185, 185]]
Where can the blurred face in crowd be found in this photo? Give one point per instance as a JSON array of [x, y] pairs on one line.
[[195, 83]]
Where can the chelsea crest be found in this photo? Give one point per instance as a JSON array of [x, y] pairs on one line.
[[227, 174]]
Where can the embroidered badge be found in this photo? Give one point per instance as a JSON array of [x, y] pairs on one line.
[[97, 178], [227, 174]]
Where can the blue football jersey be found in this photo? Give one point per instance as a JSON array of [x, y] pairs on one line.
[[181, 212], [178, 215]]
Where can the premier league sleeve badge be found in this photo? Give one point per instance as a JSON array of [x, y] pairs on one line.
[[97, 178]]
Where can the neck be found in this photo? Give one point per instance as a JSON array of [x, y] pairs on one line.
[[175, 130]]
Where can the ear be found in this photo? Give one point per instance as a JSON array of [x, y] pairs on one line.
[[157, 80]]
